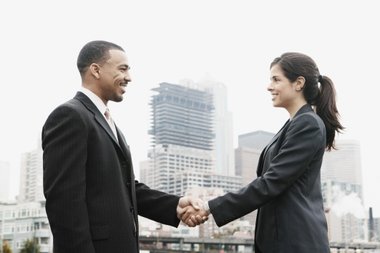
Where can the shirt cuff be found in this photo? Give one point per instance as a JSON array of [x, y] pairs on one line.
[[206, 207]]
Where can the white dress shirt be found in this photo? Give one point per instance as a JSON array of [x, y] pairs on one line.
[[101, 107]]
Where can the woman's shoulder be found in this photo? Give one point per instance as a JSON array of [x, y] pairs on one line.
[[308, 116]]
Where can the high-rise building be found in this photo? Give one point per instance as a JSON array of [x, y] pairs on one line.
[[375, 233], [5, 174], [223, 129], [184, 153], [170, 163], [373, 227], [343, 192], [182, 116], [31, 177], [344, 164]]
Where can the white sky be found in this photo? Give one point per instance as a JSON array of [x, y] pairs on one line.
[[232, 42]]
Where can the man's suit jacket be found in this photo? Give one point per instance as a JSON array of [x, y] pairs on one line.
[[92, 198], [287, 191]]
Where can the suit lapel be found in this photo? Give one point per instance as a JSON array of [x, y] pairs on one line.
[[98, 117], [123, 144], [274, 139], [264, 152], [304, 109]]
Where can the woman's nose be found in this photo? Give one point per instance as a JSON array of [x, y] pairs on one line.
[[269, 87]]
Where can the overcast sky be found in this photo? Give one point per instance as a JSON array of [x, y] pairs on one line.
[[232, 42]]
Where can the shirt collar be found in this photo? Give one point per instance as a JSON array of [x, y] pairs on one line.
[[95, 99]]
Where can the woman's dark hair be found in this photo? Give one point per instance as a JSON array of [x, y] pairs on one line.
[[96, 51], [322, 97]]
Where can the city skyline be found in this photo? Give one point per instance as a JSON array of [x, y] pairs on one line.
[[232, 43]]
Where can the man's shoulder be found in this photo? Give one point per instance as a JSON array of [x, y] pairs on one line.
[[73, 105]]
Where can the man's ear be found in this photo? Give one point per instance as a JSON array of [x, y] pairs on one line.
[[95, 70], [300, 83]]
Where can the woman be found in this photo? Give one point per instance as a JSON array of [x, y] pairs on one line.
[[287, 190]]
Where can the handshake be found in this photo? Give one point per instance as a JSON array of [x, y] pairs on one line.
[[192, 211]]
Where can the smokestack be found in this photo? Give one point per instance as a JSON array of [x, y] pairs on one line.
[[371, 226]]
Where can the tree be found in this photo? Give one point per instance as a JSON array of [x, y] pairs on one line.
[[6, 247], [30, 246]]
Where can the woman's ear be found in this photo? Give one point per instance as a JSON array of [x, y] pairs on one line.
[[300, 82]]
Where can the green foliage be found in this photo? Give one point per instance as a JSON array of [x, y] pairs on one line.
[[6, 247], [30, 246]]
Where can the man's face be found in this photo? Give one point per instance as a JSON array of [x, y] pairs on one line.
[[114, 76]]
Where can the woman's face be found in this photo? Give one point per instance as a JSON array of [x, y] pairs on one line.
[[284, 93]]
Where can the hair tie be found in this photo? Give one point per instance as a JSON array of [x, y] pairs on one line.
[[320, 78]]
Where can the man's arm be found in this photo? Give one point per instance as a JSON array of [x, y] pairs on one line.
[[166, 208]]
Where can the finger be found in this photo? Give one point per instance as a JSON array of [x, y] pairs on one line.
[[190, 223], [199, 219], [188, 212], [195, 220], [204, 215], [182, 211]]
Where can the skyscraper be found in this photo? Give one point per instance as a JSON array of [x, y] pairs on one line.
[[182, 116], [183, 153], [223, 129], [342, 190], [31, 177]]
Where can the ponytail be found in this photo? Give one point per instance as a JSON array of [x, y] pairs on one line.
[[325, 107]]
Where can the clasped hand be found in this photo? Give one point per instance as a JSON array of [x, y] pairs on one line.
[[191, 211]]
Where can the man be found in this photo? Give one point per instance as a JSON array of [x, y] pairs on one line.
[[92, 198]]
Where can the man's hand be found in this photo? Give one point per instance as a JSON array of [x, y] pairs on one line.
[[191, 211]]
